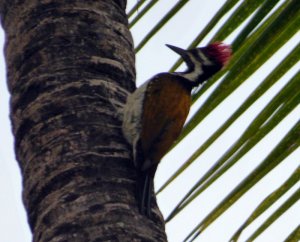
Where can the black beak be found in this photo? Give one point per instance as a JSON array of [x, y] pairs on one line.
[[178, 50], [185, 54]]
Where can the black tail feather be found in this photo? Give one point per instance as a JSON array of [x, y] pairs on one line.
[[144, 190], [144, 180]]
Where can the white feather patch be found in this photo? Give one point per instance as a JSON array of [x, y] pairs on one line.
[[132, 126]]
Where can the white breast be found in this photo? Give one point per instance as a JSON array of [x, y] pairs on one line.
[[131, 126]]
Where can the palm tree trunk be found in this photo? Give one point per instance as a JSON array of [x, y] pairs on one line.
[[69, 66]]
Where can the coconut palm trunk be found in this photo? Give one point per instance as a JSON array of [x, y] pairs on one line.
[[70, 66]]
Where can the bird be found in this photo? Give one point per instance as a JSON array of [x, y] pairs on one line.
[[154, 114]]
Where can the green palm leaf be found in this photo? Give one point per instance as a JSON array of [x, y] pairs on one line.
[[287, 145], [291, 201], [261, 29], [294, 236], [269, 200]]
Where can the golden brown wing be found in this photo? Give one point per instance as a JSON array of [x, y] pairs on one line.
[[164, 115]]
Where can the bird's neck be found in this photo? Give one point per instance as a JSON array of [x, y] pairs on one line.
[[193, 74], [186, 83]]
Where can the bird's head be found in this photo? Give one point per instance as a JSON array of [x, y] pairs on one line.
[[204, 62]]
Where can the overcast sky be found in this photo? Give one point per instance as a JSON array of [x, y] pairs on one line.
[[155, 58]]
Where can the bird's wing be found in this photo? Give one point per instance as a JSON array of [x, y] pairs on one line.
[[166, 106]]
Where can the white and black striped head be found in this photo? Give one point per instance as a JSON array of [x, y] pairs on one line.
[[204, 62]]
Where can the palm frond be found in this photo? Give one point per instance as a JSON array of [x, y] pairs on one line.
[[269, 201], [259, 30], [286, 146]]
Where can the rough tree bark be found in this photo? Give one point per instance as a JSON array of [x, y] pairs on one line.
[[69, 64]]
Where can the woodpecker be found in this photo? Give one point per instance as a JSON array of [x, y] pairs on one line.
[[155, 112]]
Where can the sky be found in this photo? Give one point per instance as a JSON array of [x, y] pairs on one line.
[[152, 59]]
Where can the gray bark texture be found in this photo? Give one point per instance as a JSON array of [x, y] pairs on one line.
[[70, 65]]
